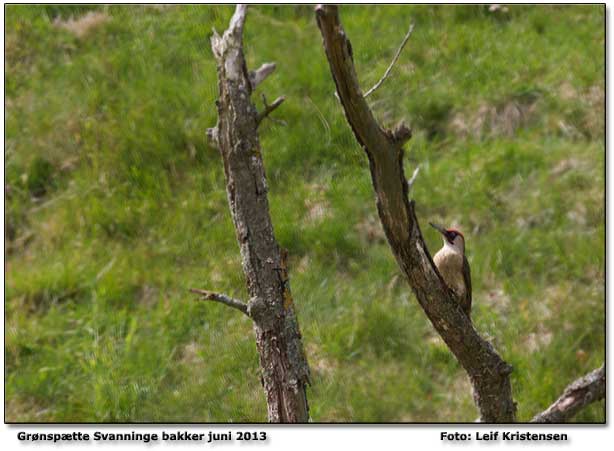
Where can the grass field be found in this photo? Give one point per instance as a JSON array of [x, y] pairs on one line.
[[115, 205]]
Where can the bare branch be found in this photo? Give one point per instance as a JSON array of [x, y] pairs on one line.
[[576, 396], [259, 75], [278, 121], [268, 109], [488, 372], [394, 60], [221, 298], [410, 182]]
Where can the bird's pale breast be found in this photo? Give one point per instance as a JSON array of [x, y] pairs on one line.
[[450, 266]]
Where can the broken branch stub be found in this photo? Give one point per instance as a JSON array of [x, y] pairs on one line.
[[259, 75], [488, 372], [285, 373]]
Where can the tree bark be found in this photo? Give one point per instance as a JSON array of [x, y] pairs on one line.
[[488, 372], [575, 397], [285, 372]]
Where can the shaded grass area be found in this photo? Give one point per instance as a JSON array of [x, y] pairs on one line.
[[115, 206]]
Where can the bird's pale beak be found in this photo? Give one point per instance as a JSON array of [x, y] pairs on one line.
[[443, 231], [438, 228]]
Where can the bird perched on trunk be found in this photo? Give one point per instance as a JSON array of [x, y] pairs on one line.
[[454, 267]]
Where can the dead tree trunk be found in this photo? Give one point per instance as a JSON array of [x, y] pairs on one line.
[[285, 372], [488, 372]]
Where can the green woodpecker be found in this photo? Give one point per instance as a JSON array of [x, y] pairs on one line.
[[454, 267]]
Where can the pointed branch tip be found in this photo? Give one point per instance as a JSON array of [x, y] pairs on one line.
[[394, 60], [206, 295], [414, 176]]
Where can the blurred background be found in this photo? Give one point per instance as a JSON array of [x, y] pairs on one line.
[[116, 205]]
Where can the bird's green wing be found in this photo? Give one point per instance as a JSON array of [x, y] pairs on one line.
[[467, 276]]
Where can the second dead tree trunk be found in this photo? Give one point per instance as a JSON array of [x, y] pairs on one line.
[[285, 372], [489, 373]]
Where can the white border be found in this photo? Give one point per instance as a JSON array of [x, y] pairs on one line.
[[354, 437]]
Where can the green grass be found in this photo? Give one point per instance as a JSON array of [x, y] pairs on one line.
[[115, 206]]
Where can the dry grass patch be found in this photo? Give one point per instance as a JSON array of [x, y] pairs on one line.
[[370, 230], [587, 111], [538, 340], [19, 410], [594, 117], [316, 205], [191, 354], [82, 26], [496, 299], [494, 120], [319, 363]]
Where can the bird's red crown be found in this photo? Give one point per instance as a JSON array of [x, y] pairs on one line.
[[456, 231]]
